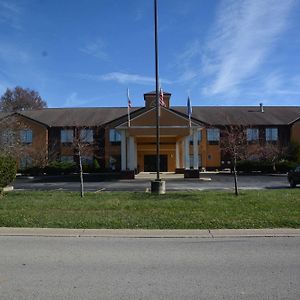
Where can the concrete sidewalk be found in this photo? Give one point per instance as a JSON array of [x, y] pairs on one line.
[[151, 233]]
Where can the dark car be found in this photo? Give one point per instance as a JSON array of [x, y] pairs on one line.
[[294, 176]]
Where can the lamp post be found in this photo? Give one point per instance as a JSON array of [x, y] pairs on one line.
[[157, 185]]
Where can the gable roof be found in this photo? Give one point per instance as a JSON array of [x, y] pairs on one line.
[[87, 116], [168, 117], [210, 115], [3, 115], [243, 115]]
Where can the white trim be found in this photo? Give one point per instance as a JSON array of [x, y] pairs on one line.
[[146, 112], [146, 126]]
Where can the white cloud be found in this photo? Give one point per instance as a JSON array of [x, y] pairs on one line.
[[95, 48], [73, 101], [124, 78], [185, 62], [13, 53], [245, 32], [10, 14]]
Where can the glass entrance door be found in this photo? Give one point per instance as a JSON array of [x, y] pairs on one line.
[[150, 163]]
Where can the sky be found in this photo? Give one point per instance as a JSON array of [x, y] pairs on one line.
[[78, 53]]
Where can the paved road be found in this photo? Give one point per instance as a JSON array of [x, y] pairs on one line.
[[206, 182], [129, 268]]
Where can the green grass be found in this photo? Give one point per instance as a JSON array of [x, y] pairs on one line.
[[190, 210]]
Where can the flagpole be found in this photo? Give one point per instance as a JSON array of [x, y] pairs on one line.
[[128, 107], [157, 94]]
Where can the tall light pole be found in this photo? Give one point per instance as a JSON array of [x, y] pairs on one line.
[[157, 94], [157, 186]]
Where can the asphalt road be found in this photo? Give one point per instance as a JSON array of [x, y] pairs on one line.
[[130, 268], [206, 182]]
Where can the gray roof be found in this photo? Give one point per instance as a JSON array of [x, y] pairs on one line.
[[3, 115], [243, 115], [211, 115], [62, 117]]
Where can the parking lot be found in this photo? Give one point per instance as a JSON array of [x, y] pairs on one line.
[[174, 182]]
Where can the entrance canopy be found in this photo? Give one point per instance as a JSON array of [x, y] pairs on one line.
[[138, 143], [171, 124]]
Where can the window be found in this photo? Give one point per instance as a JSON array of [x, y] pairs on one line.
[[114, 136], [25, 162], [252, 134], [271, 134], [199, 138], [66, 136], [86, 135], [7, 137], [213, 136], [26, 136], [87, 160], [67, 158]]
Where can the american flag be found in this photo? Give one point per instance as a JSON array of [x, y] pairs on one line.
[[161, 98], [128, 99], [128, 107]]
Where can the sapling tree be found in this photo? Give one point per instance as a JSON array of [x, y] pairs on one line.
[[234, 144]]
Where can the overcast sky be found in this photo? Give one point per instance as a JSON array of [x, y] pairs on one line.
[[86, 53]]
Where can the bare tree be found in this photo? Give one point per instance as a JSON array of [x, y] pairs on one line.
[[271, 152], [13, 141], [21, 99], [82, 144], [234, 144], [10, 142]]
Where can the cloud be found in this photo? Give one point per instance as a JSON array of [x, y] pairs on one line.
[[244, 33], [96, 49], [10, 14], [13, 54], [73, 101], [124, 78], [185, 62]]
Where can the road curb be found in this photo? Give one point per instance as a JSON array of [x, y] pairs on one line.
[[151, 233]]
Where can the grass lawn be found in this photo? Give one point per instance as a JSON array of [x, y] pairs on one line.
[[190, 210]]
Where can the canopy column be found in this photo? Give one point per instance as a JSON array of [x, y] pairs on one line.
[[195, 150], [123, 150]]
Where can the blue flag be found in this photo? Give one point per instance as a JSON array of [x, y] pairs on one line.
[[189, 108]]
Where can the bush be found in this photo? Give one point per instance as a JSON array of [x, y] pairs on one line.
[[249, 166], [8, 170], [60, 168], [34, 171], [285, 166]]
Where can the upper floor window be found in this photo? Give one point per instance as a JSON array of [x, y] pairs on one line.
[[213, 136], [26, 136], [199, 138], [66, 135], [271, 134], [252, 134], [7, 137], [114, 136], [86, 135]]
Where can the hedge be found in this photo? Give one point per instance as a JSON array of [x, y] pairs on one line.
[[249, 166], [60, 168], [8, 170]]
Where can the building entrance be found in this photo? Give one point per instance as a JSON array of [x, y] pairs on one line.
[[150, 163]]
